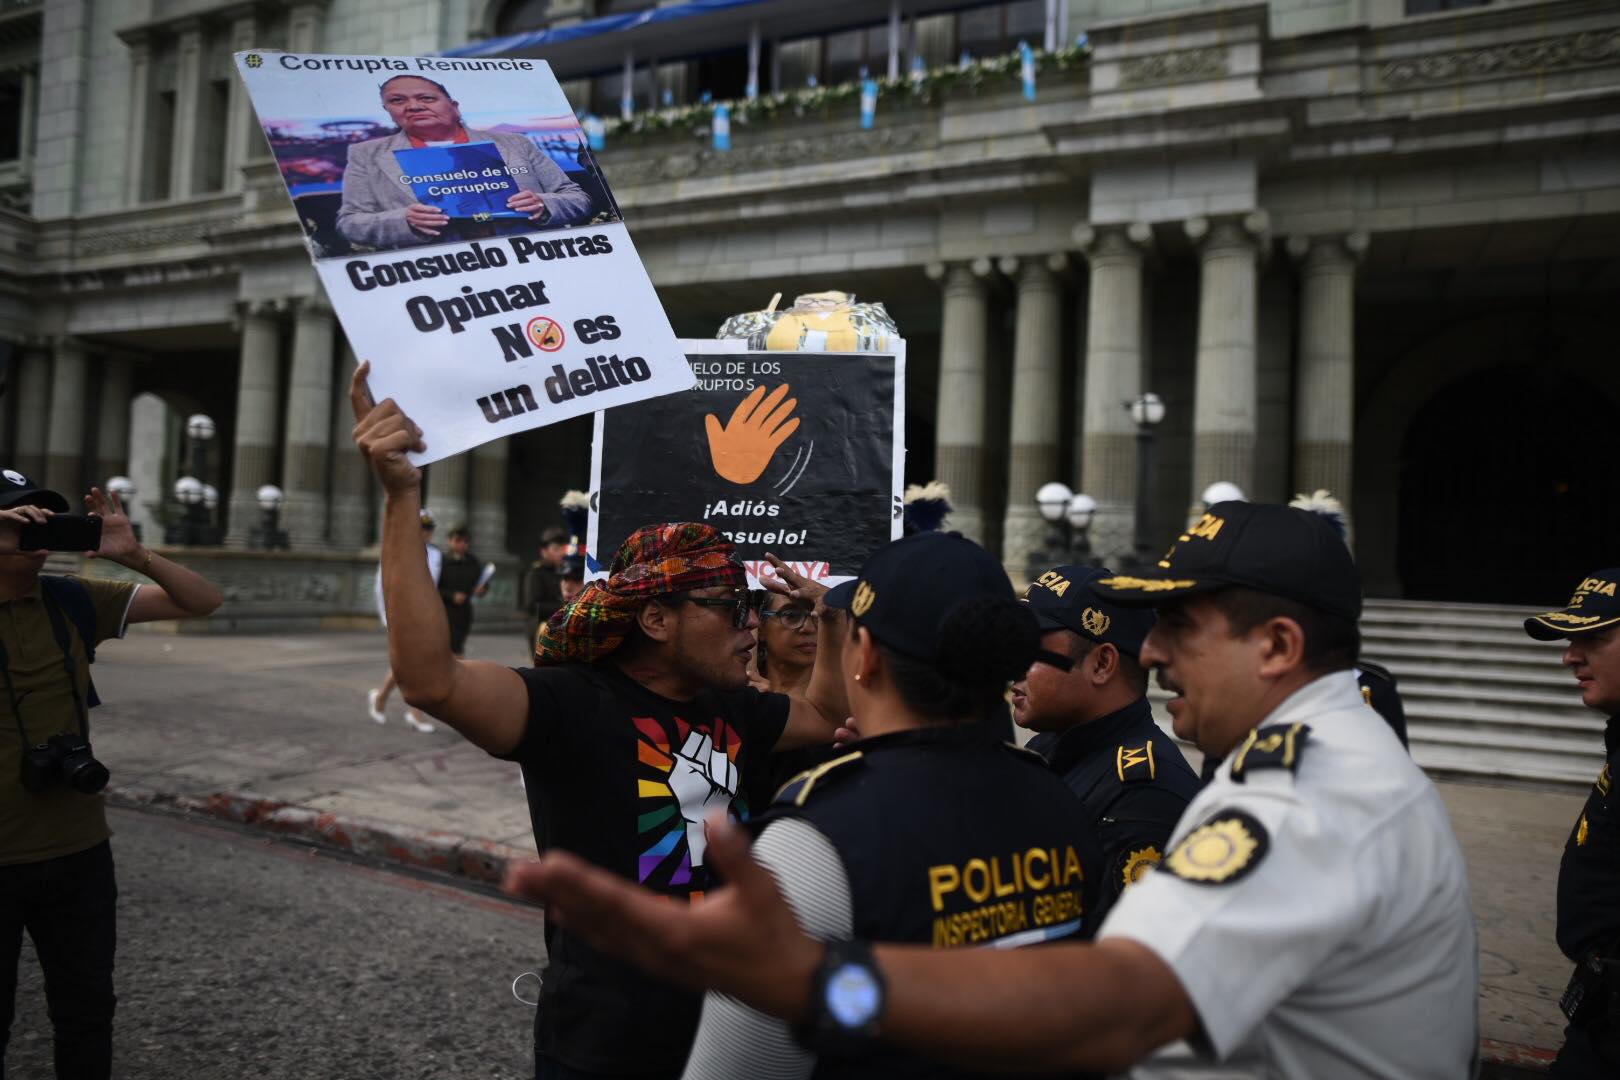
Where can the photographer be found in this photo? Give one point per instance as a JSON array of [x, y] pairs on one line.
[[56, 868]]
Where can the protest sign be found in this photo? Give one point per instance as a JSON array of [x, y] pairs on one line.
[[796, 453], [466, 238]]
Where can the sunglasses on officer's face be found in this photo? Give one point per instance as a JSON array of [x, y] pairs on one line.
[[738, 602]]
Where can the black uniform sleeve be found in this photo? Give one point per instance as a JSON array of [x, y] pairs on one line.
[[1589, 876]]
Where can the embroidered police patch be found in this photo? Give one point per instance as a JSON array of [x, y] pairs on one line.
[[1275, 747], [1223, 849], [1137, 864]]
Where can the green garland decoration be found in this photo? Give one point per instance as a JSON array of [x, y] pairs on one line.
[[920, 88]]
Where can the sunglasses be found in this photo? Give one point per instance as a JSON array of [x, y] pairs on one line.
[[738, 602], [793, 618]]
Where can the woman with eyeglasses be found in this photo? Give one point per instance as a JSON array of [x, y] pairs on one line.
[[788, 633]]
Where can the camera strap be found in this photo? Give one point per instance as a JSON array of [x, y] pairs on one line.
[[59, 625], [11, 691]]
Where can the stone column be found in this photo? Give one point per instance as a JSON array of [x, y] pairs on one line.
[[187, 110], [959, 416], [1224, 402], [1324, 404], [350, 512], [304, 23], [64, 438], [137, 163], [33, 404], [447, 492], [1112, 379], [112, 429], [258, 408], [488, 519], [241, 134], [1037, 398], [309, 424]]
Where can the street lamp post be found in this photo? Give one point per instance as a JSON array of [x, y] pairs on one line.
[[200, 430], [1052, 500], [1082, 508], [266, 534], [1146, 412], [188, 492], [197, 498], [209, 534]]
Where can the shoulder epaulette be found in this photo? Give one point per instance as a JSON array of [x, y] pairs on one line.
[[797, 790], [1134, 763], [1276, 747]]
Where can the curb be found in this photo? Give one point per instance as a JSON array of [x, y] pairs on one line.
[[452, 854], [1508, 1061]]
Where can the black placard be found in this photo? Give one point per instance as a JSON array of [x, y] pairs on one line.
[[825, 496]]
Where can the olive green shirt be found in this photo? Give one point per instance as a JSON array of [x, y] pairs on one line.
[[58, 821]]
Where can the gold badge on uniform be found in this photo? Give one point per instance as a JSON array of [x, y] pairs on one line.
[[1223, 849], [1138, 863], [862, 602], [1603, 782], [1580, 832]]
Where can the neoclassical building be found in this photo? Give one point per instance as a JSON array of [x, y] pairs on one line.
[[1371, 246]]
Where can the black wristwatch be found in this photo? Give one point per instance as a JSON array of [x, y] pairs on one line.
[[846, 1001]]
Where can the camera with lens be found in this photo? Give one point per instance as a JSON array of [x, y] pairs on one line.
[[65, 759]]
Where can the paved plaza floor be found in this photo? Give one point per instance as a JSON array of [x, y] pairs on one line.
[[283, 718]]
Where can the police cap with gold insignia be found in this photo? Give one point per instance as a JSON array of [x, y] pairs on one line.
[[1263, 546], [1594, 606], [1064, 598], [908, 589]]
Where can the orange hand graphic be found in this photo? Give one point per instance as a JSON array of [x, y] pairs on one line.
[[743, 448]]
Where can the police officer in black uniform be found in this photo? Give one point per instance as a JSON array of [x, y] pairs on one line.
[[1589, 876], [929, 830], [1094, 726]]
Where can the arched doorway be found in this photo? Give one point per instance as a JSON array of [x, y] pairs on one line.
[[1507, 491]]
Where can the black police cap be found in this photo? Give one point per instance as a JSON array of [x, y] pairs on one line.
[[1267, 547], [17, 490], [1066, 598], [908, 589], [1593, 607]]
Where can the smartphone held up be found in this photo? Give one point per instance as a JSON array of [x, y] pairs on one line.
[[61, 532]]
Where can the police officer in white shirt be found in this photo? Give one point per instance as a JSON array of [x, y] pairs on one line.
[[1311, 918]]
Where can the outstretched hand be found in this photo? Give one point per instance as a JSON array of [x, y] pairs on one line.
[[117, 534], [786, 581], [741, 939], [385, 435]]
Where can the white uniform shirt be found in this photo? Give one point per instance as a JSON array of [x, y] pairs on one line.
[[1344, 945]]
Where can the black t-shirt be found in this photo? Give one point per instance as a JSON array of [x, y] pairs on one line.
[[622, 777]]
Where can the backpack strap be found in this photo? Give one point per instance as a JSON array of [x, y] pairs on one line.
[[68, 596]]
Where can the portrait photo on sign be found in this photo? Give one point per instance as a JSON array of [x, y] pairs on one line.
[[388, 153]]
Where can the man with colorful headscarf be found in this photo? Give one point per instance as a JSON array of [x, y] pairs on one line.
[[635, 723]]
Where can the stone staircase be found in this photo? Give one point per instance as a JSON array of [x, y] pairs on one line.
[[1482, 698]]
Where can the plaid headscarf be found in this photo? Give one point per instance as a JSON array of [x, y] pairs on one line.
[[655, 561]]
